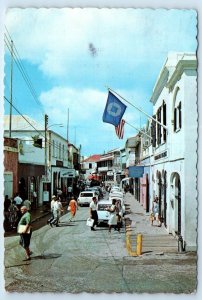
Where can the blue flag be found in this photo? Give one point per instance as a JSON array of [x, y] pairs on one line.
[[114, 110]]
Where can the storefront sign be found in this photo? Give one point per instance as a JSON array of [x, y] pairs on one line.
[[68, 173], [161, 155], [136, 171]]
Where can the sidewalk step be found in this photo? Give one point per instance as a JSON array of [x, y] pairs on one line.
[[155, 243]]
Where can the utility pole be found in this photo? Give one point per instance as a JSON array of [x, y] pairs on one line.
[[11, 91], [46, 128]]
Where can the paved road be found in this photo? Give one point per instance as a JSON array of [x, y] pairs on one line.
[[73, 259]]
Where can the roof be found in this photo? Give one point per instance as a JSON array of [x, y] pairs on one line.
[[92, 158], [19, 123]]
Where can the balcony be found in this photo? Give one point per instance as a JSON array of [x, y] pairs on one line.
[[104, 169]]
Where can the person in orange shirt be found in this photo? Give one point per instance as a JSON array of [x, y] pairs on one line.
[[72, 208]]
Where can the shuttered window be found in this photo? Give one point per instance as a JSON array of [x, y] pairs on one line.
[[175, 119], [164, 121], [180, 115], [153, 132], [159, 126]]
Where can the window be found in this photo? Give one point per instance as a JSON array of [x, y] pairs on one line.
[[53, 148], [164, 121], [63, 152], [153, 132], [177, 117], [59, 150], [177, 111], [159, 126]]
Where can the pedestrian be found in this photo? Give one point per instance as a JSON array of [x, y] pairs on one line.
[[57, 210], [13, 214], [112, 219], [27, 203], [93, 212], [25, 235], [52, 209], [7, 203], [18, 202], [73, 208], [118, 216], [155, 212], [69, 191]]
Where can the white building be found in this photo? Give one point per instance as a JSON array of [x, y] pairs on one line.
[[32, 159], [174, 160]]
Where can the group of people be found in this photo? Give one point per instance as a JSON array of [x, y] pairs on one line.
[[115, 217], [57, 210], [12, 209]]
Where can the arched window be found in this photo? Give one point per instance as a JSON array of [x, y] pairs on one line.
[[164, 121], [177, 111]]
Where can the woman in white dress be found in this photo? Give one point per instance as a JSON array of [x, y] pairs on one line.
[[112, 219]]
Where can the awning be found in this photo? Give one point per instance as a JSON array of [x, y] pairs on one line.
[[95, 177]]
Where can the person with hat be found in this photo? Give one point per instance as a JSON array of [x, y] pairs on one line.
[[52, 209]]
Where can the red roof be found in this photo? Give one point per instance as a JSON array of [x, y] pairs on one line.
[[92, 158]]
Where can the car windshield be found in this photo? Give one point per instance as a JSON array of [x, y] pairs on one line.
[[86, 195], [103, 206]]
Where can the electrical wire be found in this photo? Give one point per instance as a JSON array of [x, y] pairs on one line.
[[16, 57], [40, 133]]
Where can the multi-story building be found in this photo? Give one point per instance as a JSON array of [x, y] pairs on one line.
[[174, 159], [41, 166]]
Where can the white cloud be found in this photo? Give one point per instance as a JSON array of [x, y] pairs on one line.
[[58, 39], [79, 51]]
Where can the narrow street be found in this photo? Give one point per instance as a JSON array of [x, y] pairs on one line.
[[86, 261]]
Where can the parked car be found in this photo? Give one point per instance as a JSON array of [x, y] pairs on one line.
[[115, 188], [96, 189], [86, 197], [103, 214], [116, 194]]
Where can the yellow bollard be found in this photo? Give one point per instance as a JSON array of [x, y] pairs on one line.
[[139, 244]]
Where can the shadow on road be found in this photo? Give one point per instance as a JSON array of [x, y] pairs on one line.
[[42, 256], [46, 256]]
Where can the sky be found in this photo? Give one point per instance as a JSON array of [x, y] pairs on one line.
[[71, 56]]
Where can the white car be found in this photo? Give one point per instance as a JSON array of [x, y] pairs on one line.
[[103, 214], [115, 194], [86, 197], [115, 188]]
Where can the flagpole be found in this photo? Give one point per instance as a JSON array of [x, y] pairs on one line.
[[150, 117], [139, 130]]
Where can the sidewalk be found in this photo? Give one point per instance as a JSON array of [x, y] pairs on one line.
[[155, 239]]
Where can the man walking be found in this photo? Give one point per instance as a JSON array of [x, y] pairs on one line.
[[93, 212], [25, 235]]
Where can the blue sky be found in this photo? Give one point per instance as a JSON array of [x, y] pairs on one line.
[[71, 55]]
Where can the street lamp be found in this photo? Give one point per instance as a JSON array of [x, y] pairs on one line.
[[60, 125]]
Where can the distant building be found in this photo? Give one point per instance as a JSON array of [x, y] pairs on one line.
[[89, 167]]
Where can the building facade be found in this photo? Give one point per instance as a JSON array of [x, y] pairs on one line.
[[174, 159]]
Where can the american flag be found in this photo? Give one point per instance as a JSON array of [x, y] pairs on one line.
[[120, 129]]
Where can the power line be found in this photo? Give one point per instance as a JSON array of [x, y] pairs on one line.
[[40, 132], [21, 68]]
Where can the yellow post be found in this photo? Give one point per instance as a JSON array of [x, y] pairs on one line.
[[139, 244]]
